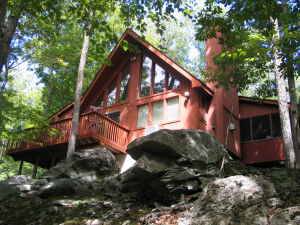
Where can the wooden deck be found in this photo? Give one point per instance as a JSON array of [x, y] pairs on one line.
[[93, 127]]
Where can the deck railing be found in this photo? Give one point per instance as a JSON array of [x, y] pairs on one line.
[[91, 125]]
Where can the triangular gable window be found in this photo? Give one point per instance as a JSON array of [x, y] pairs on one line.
[[155, 79], [159, 79], [111, 97], [124, 84], [145, 83]]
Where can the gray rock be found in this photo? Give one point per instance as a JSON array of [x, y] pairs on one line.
[[63, 187], [19, 180], [170, 163], [6, 191], [234, 200], [14, 186], [89, 165], [289, 216], [187, 146]]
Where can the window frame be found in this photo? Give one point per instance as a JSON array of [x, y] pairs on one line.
[[116, 83], [151, 111], [167, 76], [272, 127]]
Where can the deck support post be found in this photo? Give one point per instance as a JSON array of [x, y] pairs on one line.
[[20, 167], [53, 160], [35, 168]]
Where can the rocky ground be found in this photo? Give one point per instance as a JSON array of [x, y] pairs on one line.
[[181, 177]]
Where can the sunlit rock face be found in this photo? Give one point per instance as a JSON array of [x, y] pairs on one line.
[[169, 163], [234, 200]]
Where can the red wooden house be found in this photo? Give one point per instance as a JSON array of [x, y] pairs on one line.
[[143, 91]]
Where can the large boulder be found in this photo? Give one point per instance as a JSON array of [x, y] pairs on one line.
[[234, 200], [170, 163], [289, 216], [187, 146], [14, 186], [63, 187], [88, 164]]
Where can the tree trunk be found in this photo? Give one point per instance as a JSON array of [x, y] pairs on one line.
[[283, 101], [8, 27], [294, 115], [76, 109]]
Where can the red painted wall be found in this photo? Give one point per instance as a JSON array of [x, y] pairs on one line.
[[224, 108], [264, 150]]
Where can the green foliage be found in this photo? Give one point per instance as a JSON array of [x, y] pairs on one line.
[[21, 109], [246, 39], [9, 168], [179, 43]]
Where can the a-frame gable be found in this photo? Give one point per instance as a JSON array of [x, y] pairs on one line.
[[118, 54]]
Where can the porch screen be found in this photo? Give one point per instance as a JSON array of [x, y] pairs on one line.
[[145, 83], [159, 79], [276, 128], [245, 130], [142, 116], [261, 127], [172, 112], [158, 112]]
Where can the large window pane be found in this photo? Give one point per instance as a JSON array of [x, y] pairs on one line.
[[276, 128], [111, 98], [142, 116], [245, 130], [159, 79], [173, 82], [261, 127], [158, 112], [145, 84], [172, 112], [124, 86]]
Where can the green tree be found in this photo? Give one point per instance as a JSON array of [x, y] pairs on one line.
[[254, 39], [18, 19], [178, 42]]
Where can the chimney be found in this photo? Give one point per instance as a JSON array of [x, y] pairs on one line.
[[212, 48]]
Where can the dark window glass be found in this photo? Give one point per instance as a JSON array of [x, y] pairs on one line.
[[145, 84], [115, 116], [99, 102], [276, 128], [124, 85], [245, 130], [111, 97], [261, 127], [173, 82], [159, 79]]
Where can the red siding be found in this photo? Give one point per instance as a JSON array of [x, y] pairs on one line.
[[264, 150]]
